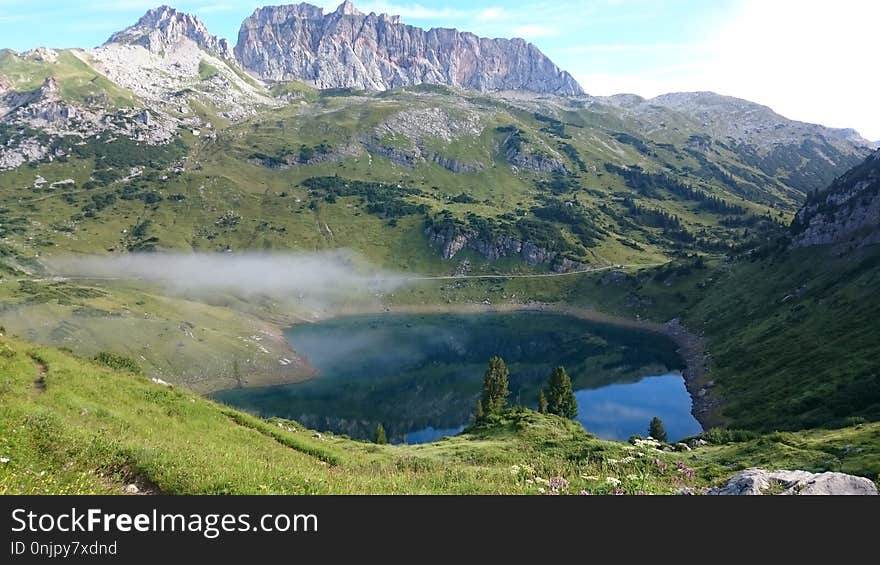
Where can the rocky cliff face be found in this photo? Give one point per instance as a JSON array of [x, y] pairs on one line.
[[450, 241], [847, 214], [347, 48], [164, 27]]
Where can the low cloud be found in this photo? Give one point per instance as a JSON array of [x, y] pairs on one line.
[[323, 276]]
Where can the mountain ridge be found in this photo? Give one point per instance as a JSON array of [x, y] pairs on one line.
[[349, 49]]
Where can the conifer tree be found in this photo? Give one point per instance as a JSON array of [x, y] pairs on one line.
[[381, 437], [560, 395], [656, 429], [542, 403], [495, 387]]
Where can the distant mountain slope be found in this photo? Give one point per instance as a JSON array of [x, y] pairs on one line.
[[807, 156], [347, 48], [847, 214]]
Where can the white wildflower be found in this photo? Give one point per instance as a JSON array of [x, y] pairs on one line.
[[612, 461], [589, 477], [614, 481], [4, 459], [632, 477]]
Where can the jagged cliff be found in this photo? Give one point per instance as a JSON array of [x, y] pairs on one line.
[[347, 48], [164, 27], [847, 214]]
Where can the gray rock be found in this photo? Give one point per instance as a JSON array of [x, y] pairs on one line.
[[164, 27], [760, 481], [349, 49], [847, 214]]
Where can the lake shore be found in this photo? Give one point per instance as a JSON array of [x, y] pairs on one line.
[[691, 347]]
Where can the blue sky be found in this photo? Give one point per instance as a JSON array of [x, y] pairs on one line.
[[807, 59]]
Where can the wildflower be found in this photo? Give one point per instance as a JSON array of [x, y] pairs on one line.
[[632, 477], [618, 492], [686, 471], [541, 490], [628, 459], [558, 484], [584, 493], [515, 470], [612, 481], [4, 459], [589, 477], [612, 461], [660, 464], [542, 481]]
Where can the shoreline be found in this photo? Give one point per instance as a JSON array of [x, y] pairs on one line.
[[690, 346]]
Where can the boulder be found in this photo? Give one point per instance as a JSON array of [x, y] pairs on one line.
[[760, 481]]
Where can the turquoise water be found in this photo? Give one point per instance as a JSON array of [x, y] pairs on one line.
[[420, 375]]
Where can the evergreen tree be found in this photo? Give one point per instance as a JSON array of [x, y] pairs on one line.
[[495, 387], [381, 437], [656, 429], [542, 403], [560, 394]]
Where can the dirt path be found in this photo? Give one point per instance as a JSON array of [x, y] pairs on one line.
[[535, 275], [42, 369]]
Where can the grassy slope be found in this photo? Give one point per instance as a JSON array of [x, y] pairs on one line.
[[84, 429], [77, 79], [757, 367]]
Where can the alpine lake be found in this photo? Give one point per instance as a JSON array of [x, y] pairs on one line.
[[420, 375]]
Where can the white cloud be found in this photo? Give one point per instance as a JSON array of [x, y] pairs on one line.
[[413, 11], [628, 48], [534, 31], [491, 14], [808, 60]]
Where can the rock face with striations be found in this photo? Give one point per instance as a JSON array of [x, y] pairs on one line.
[[164, 27], [846, 214], [349, 49]]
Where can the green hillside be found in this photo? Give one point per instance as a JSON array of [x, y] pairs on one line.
[[74, 426]]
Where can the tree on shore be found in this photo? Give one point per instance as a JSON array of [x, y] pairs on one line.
[[560, 394], [656, 429], [542, 403], [495, 388], [381, 437]]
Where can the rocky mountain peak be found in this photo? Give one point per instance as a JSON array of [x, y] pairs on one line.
[[348, 48], [347, 9], [164, 27]]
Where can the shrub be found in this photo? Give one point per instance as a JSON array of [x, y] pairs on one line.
[[118, 362]]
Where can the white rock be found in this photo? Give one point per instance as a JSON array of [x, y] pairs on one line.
[[760, 481]]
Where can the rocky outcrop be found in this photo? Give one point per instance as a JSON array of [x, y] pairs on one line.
[[451, 240], [347, 48], [164, 27], [847, 214], [759, 482], [168, 58]]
